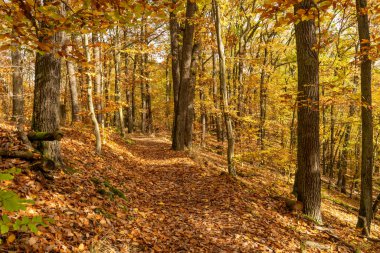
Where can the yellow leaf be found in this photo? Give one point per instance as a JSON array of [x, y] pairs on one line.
[[11, 238], [81, 247]]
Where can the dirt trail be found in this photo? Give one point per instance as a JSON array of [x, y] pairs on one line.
[[186, 208]]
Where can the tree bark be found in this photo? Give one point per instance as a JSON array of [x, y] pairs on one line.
[[131, 118], [98, 77], [47, 92], [223, 87], [17, 83], [119, 114], [365, 211], [308, 178], [75, 106], [90, 100], [190, 109], [182, 119], [215, 93], [176, 78]]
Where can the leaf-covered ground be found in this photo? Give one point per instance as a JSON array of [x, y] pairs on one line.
[[140, 196]]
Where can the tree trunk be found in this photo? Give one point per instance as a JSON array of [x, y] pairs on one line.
[[263, 99], [308, 178], [131, 118], [219, 129], [119, 114], [191, 96], [344, 157], [167, 95], [98, 77], [90, 100], [365, 211], [148, 97], [223, 87], [17, 83], [47, 94], [176, 78], [75, 107], [183, 125]]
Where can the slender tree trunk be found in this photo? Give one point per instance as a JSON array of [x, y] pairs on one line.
[[119, 116], [263, 98], [183, 122], [215, 93], [344, 157], [365, 211], [90, 99], [176, 77], [308, 179], [148, 97], [75, 106], [324, 141], [223, 87], [202, 97], [17, 83], [143, 95], [131, 118], [191, 95], [168, 95], [98, 77]]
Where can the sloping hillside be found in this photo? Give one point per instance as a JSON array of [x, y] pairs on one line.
[[140, 196]]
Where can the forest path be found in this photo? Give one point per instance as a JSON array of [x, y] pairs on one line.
[[184, 206]]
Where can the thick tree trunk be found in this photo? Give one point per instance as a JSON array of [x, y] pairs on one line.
[[90, 100], [308, 178], [182, 119], [223, 87], [17, 83], [365, 211], [47, 95]]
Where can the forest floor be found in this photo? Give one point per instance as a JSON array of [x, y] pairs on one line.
[[140, 196]]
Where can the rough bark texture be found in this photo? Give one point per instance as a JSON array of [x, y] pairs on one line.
[[46, 95], [17, 83], [182, 134], [365, 211], [223, 87], [308, 178]]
